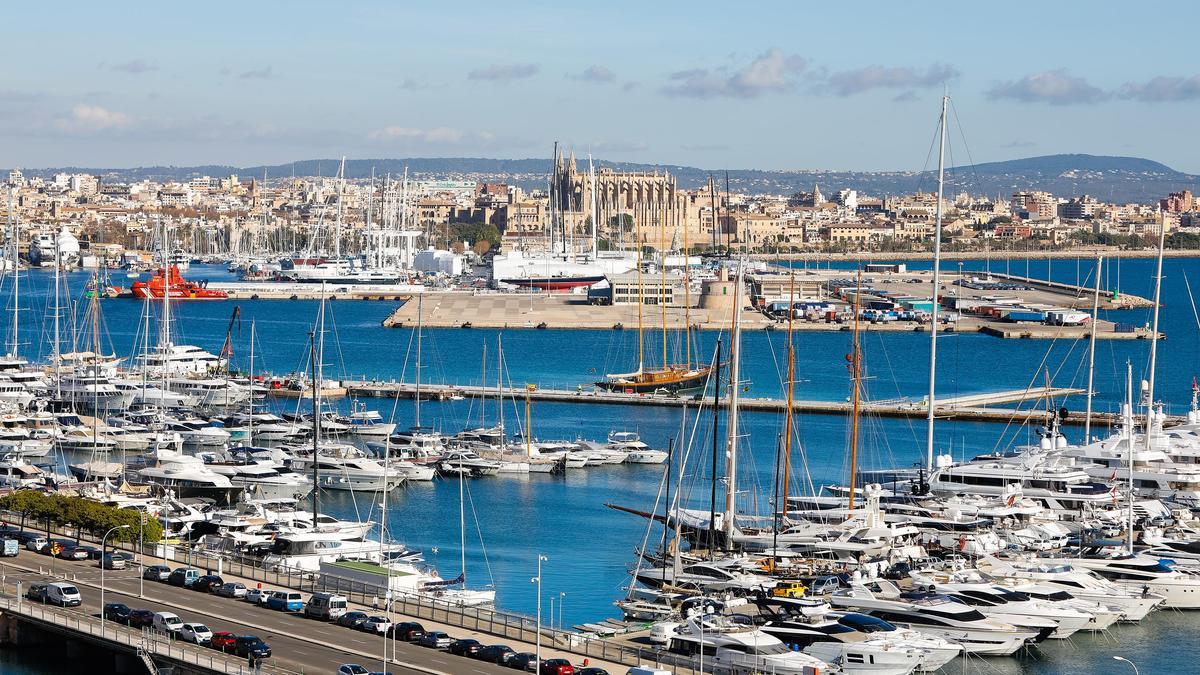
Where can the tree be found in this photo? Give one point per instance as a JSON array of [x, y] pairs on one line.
[[473, 233]]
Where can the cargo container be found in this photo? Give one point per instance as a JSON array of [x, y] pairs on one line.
[[1025, 316], [1067, 317]]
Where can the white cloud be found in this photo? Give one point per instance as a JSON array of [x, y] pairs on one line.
[[87, 118], [444, 135], [771, 72], [1056, 87], [504, 73], [1163, 89], [850, 82]]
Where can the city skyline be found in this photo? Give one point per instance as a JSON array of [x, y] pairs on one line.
[[782, 87]]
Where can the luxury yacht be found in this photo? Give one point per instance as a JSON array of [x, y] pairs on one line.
[[180, 360], [732, 644], [1003, 604], [344, 467], [1142, 574], [1080, 583], [90, 389], [636, 451]]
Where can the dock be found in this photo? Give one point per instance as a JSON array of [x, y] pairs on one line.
[[971, 407], [270, 290]]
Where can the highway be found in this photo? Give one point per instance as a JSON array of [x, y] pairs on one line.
[[298, 644]]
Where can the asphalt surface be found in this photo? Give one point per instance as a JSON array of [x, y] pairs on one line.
[[295, 641]]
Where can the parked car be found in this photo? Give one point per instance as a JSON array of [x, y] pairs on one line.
[[116, 611], [352, 619], [286, 601], [183, 577], [257, 596], [497, 654], [352, 669], [435, 639], [465, 647], [376, 624], [167, 622], [250, 644], [591, 671], [207, 583], [231, 589], [110, 562], [36, 543], [156, 573], [326, 606], [556, 667], [196, 633], [36, 592], [92, 552], [56, 547], [141, 618], [63, 594], [526, 661], [408, 631], [223, 640]]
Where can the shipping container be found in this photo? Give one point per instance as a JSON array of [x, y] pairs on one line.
[[1025, 316]]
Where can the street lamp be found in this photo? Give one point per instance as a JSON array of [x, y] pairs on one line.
[[538, 580], [561, 599], [102, 548], [1131, 663]]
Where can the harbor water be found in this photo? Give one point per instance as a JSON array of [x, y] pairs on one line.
[[590, 548]]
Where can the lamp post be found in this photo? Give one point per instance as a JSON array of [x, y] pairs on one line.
[[561, 599], [102, 548], [538, 580], [1131, 663]]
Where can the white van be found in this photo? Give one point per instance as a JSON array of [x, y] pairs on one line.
[[167, 622], [326, 606], [37, 543], [646, 670], [63, 594]]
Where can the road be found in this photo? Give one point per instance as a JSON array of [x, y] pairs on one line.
[[297, 643]]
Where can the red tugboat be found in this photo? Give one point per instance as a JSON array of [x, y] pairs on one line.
[[180, 288]]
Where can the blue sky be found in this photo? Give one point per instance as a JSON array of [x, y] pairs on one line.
[[850, 85]]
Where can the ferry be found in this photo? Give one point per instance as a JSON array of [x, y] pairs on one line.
[[180, 288]]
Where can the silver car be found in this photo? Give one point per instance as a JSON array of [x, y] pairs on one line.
[[232, 589]]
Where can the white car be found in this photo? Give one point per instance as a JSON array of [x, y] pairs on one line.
[[232, 589], [167, 622], [351, 669], [197, 633], [257, 596], [376, 624]]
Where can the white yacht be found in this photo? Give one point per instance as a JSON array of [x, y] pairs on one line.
[[211, 392], [369, 424], [16, 472], [1004, 604], [89, 388], [15, 394], [187, 476], [264, 479], [939, 616], [344, 467], [729, 645], [636, 451], [149, 393], [175, 360], [1143, 574], [1081, 583]]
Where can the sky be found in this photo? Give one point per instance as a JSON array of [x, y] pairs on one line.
[[772, 85]]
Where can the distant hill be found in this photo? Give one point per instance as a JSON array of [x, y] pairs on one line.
[[1121, 179]]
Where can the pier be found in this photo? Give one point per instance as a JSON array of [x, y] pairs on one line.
[[970, 407]]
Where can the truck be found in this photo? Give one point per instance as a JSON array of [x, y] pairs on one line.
[[9, 548]]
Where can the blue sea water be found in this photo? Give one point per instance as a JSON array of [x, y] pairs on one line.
[[511, 520]]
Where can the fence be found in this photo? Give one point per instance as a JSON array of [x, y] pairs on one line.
[[139, 642], [423, 607]]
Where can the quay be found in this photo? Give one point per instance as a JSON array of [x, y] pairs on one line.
[[249, 290], [970, 407]]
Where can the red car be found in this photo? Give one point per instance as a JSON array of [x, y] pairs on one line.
[[556, 667], [223, 640]]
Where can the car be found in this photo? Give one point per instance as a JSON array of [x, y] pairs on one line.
[[92, 552], [196, 633], [556, 667], [497, 654], [116, 611], [156, 573], [36, 543], [286, 601], [123, 555], [376, 624], [223, 640], [72, 553], [63, 594], [183, 576], [257, 596], [352, 619], [167, 622], [592, 670], [465, 647], [141, 618], [435, 639], [352, 669], [408, 631], [250, 644], [36, 592], [110, 562], [207, 583], [526, 661], [231, 589]]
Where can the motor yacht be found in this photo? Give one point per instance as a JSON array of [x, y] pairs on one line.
[[732, 644], [344, 467], [636, 451], [1081, 583]]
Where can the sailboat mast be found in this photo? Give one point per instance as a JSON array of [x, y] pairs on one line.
[[15, 233], [595, 223], [716, 407], [735, 349], [937, 285], [420, 299], [641, 295], [687, 304], [337, 232], [1162, 240], [1087, 418], [1128, 424], [662, 285], [791, 392], [855, 373], [500, 384], [250, 417], [57, 329], [462, 527], [165, 336]]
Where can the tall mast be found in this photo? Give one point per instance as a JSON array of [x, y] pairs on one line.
[[337, 231], [1127, 423], [420, 298], [1087, 418], [716, 407], [165, 334], [937, 285], [15, 233], [595, 223], [462, 528], [855, 374], [57, 329], [250, 418], [316, 476], [500, 383], [687, 305], [791, 391], [1162, 239], [662, 284], [641, 296], [735, 357]]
